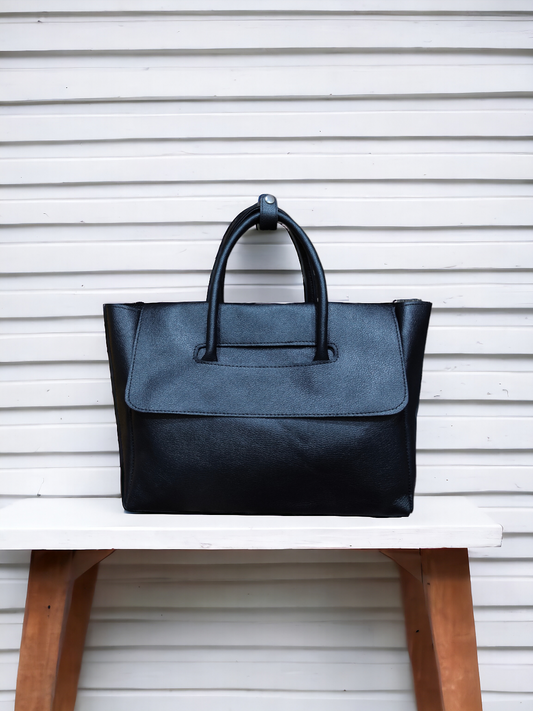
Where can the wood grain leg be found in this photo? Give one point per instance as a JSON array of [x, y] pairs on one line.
[[420, 645], [418, 630], [47, 605], [446, 582], [74, 640], [55, 620]]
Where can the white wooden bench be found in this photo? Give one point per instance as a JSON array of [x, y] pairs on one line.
[[69, 537]]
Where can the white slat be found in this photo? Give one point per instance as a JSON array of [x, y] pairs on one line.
[[280, 33], [199, 231], [191, 256], [78, 481], [514, 520], [332, 147], [187, 82], [298, 167], [249, 124], [231, 6], [239, 701], [386, 212], [262, 701], [461, 479]]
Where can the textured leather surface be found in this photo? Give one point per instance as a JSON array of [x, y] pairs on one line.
[[267, 350], [272, 457]]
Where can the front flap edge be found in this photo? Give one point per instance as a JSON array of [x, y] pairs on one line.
[[365, 379]]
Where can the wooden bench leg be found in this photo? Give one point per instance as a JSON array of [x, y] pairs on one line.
[[48, 628], [448, 593], [74, 640], [420, 644], [418, 630], [439, 621]]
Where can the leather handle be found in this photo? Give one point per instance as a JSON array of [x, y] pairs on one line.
[[307, 272], [319, 280]]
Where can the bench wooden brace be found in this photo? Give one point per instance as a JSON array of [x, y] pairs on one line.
[[437, 603], [58, 606]]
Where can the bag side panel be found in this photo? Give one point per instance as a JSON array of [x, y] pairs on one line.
[[413, 321], [120, 327]]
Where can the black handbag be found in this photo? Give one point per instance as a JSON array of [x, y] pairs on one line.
[[290, 409]]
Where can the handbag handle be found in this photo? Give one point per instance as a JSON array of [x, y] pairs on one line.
[[305, 266], [219, 272]]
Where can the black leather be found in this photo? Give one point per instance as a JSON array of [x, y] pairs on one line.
[[266, 428], [265, 365], [316, 272], [268, 212], [309, 293]]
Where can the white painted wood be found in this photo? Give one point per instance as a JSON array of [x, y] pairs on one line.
[[227, 6], [515, 520], [295, 104], [205, 231], [191, 256], [62, 481], [424, 212], [295, 167], [265, 144], [101, 523], [187, 82], [269, 124], [232, 701], [467, 478], [306, 33]]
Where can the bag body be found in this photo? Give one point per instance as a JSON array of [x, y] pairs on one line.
[[275, 409]]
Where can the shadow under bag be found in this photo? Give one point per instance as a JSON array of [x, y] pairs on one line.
[[290, 409]]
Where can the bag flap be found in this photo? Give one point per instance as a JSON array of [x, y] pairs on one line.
[[265, 366]]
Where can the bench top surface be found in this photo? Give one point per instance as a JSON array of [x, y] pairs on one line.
[[98, 523]]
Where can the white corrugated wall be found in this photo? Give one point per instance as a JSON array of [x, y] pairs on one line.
[[397, 132]]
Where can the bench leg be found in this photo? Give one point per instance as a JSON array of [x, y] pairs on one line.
[[53, 592], [74, 640], [420, 644], [448, 593], [439, 621]]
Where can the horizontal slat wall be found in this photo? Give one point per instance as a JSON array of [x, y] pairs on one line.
[[398, 134]]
